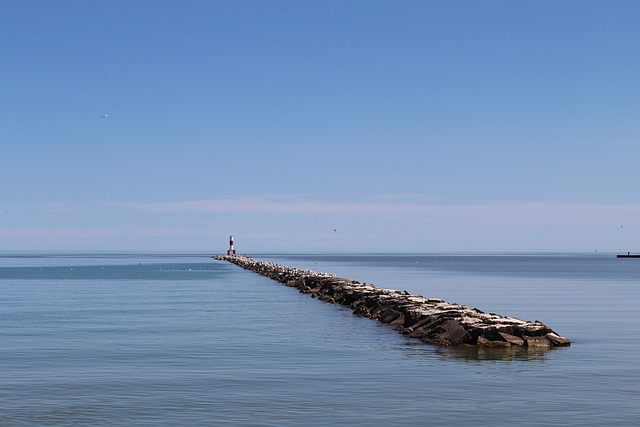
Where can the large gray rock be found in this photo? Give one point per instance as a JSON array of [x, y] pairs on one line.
[[557, 340], [485, 342], [449, 333], [537, 342], [511, 339]]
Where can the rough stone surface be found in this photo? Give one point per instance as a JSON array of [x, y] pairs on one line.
[[449, 333], [556, 340], [433, 320], [537, 341], [485, 342], [511, 339]]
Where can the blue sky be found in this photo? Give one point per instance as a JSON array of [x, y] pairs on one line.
[[412, 126]]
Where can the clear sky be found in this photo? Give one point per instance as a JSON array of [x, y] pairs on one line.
[[320, 126]]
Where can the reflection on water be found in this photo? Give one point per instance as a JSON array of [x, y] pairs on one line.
[[510, 354], [416, 349]]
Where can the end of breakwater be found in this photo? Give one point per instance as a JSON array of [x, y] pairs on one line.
[[430, 319]]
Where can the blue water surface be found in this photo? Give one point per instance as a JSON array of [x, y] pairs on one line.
[[138, 339]]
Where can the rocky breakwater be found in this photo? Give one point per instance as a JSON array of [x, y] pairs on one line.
[[429, 319]]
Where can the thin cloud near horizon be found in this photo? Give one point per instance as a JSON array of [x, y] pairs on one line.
[[571, 212]]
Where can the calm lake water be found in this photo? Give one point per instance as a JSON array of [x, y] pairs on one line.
[[187, 340]]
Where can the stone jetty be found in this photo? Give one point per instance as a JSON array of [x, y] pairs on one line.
[[430, 319]]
